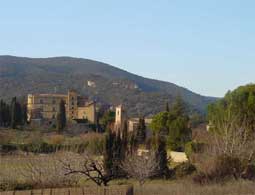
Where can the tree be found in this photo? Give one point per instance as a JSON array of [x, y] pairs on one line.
[[107, 119], [61, 117], [14, 113], [108, 152], [140, 167], [141, 131], [240, 102], [161, 156], [179, 107], [124, 144], [167, 107], [179, 133], [92, 168], [173, 125]]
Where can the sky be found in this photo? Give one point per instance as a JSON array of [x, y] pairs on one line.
[[205, 46]]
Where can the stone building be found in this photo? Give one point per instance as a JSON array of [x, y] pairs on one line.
[[46, 106], [132, 123]]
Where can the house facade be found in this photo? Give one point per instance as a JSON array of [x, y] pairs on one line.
[[46, 106]]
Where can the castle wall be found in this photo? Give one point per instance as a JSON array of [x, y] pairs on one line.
[[46, 106]]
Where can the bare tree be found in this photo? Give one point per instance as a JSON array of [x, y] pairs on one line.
[[90, 167], [44, 171], [233, 138], [141, 167]]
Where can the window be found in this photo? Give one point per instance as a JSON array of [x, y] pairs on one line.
[[53, 101], [41, 101], [53, 116], [54, 109]]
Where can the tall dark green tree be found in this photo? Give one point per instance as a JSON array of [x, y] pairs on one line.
[[14, 118], [179, 107], [24, 113], [141, 131], [108, 152], [124, 144], [173, 125], [1, 113], [167, 107], [161, 154], [61, 117]]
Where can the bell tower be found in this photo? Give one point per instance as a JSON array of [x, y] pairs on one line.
[[120, 117], [72, 104]]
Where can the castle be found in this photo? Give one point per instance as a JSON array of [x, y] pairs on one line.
[[46, 106]]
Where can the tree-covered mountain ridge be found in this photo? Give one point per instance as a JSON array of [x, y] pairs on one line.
[[20, 76]]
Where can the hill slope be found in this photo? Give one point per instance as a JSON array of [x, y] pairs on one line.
[[20, 76]]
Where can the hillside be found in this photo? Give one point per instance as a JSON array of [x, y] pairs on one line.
[[20, 76]]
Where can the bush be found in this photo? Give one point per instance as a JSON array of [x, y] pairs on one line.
[[14, 185], [184, 169], [193, 147], [37, 148], [249, 172], [5, 148], [227, 166], [224, 168]]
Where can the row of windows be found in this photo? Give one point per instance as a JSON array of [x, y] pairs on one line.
[[53, 102]]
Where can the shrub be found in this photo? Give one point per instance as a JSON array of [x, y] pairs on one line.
[[5, 148], [224, 168], [193, 147], [184, 169], [249, 172], [227, 166]]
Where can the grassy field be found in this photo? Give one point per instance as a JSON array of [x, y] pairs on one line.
[[12, 168]]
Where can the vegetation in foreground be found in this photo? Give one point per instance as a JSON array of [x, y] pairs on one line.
[[223, 155]]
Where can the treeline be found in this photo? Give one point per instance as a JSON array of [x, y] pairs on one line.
[[13, 114], [121, 146], [174, 125]]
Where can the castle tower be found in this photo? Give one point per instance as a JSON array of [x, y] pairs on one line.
[[72, 104], [120, 117]]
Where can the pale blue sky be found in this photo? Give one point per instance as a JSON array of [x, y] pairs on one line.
[[206, 46]]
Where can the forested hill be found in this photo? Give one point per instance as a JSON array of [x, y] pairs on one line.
[[108, 84]]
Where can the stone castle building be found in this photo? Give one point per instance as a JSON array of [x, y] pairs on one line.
[[46, 106]]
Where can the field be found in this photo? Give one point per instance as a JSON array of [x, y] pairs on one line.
[[50, 175]]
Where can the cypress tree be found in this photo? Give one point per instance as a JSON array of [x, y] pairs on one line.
[[19, 114], [167, 107], [14, 113], [141, 131], [161, 155], [124, 142], [24, 114], [1, 113], [132, 142], [61, 117], [108, 152]]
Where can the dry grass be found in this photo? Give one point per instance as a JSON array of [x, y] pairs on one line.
[[186, 187]]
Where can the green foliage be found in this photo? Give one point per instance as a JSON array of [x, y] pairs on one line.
[[193, 147], [240, 102], [61, 117], [141, 131], [174, 125], [161, 156], [5, 115], [107, 119], [184, 169]]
